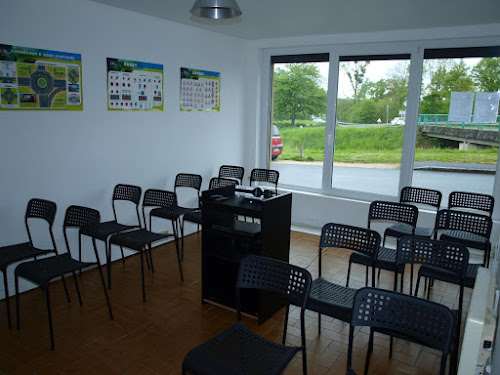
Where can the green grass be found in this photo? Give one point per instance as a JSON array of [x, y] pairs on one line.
[[371, 145]]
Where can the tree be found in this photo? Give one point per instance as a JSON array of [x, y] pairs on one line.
[[297, 92], [355, 71], [487, 74]]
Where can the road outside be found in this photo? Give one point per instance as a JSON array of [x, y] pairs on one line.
[[384, 179]]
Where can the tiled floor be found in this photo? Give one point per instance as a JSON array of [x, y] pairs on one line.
[[153, 337]]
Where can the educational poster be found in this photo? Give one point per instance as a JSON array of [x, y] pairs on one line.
[[200, 90], [134, 85], [38, 79]]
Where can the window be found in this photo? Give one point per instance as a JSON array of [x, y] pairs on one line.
[[371, 100], [456, 146], [299, 101]]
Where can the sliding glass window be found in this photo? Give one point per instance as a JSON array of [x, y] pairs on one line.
[[298, 114], [458, 121], [370, 122]]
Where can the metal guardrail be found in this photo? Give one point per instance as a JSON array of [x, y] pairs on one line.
[[442, 120]]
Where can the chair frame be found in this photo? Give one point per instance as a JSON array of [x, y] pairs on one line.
[[467, 222], [265, 175], [85, 220], [378, 211], [121, 192], [472, 201], [265, 274], [402, 316], [36, 209], [152, 198], [329, 298], [233, 172]]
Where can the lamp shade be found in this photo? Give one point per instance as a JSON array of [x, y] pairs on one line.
[[215, 9]]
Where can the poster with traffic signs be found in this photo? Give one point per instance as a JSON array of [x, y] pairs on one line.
[[200, 90], [38, 79], [134, 85]]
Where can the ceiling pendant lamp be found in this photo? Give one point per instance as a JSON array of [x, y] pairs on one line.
[[215, 9]]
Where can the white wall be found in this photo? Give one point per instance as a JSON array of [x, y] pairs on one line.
[[78, 157]]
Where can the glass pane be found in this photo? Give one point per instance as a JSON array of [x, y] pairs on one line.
[[457, 146], [371, 108], [298, 122]]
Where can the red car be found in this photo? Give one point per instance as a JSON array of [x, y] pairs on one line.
[[276, 145]]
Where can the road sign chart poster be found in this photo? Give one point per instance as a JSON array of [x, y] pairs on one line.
[[38, 79], [200, 90], [134, 85]]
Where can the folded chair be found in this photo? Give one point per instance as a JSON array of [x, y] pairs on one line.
[[41, 272], [142, 239], [238, 350], [37, 209], [105, 230]]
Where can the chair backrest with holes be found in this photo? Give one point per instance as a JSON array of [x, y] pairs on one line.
[[464, 221], [474, 201], [410, 194], [393, 212], [218, 182], [232, 171]]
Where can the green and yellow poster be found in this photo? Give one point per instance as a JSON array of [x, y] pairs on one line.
[[134, 85], [200, 90], [38, 79]]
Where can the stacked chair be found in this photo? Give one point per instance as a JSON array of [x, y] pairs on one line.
[[42, 271]]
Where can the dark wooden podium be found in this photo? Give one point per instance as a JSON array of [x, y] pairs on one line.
[[226, 239]]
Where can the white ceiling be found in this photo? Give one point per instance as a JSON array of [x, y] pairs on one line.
[[263, 19]]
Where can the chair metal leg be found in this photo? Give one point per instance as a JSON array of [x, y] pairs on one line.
[[123, 255], [366, 276], [176, 240], [417, 286], [49, 314], [349, 346], [142, 277], [150, 250], [303, 341], [77, 289], [369, 352], [104, 289], [285, 325], [373, 277], [66, 288], [16, 279], [7, 305], [348, 274], [181, 224], [108, 261]]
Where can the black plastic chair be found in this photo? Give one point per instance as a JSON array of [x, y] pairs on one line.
[[405, 317], [106, 229], [265, 175], [427, 197], [41, 272], [467, 228], [384, 211], [238, 350], [182, 180], [215, 183], [141, 240], [37, 209], [233, 172], [471, 201], [329, 298], [439, 260]]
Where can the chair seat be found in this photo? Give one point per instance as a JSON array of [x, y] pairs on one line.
[[42, 271], [331, 299], [386, 259], [401, 229], [450, 277], [167, 213], [193, 217], [238, 351], [465, 238], [104, 230], [14, 253], [137, 239]]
